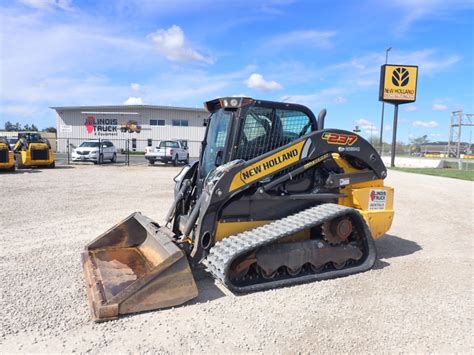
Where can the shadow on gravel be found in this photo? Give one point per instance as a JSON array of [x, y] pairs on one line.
[[162, 165], [390, 246], [24, 171], [64, 167], [207, 288]]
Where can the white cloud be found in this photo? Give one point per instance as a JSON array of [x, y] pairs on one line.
[[67, 57], [367, 126], [136, 87], [415, 10], [133, 101], [439, 107], [425, 124], [410, 108], [339, 100], [256, 81], [308, 38], [387, 128], [172, 44], [48, 4], [360, 68]]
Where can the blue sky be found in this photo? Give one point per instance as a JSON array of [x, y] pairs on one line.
[[325, 54]]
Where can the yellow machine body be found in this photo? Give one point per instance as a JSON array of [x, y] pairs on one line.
[[367, 197], [7, 158], [37, 154]]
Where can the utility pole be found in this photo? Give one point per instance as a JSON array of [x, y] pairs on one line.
[[383, 107]]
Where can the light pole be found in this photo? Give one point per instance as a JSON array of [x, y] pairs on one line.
[[383, 106]]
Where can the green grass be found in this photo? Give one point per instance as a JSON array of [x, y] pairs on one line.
[[446, 172], [134, 153]]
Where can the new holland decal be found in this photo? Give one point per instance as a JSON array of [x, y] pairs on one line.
[[267, 166]]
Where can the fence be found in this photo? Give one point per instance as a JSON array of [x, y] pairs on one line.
[[128, 151]]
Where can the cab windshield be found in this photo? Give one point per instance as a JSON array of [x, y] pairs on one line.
[[89, 144], [216, 140], [168, 144]]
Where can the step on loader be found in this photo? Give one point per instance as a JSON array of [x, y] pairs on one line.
[[274, 200]]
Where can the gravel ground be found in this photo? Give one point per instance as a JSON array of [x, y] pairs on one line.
[[418, 298]]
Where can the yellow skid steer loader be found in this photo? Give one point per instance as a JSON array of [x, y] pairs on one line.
[[274, 200], [7, 159], [31, 150]]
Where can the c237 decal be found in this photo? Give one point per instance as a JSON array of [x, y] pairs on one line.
[[339, 138]]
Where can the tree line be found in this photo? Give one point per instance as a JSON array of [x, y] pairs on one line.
[[16, 127]]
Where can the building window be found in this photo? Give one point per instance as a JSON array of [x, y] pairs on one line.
[[150, 142], [134, 144], [157, 122], [182, 123]]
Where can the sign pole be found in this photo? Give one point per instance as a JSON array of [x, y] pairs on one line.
[[381, 129], [394, 137]]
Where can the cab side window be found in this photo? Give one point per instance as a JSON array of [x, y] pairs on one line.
[[266, 129], [256, 135], [295, 123]]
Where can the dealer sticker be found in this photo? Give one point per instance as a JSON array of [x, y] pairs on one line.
[[377, 199]]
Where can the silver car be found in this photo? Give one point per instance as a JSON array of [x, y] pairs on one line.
[[95, 151]]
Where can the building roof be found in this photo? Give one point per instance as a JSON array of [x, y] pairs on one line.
[[124, 107]]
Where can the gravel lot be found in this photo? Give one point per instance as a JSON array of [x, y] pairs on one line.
[[418, 298]]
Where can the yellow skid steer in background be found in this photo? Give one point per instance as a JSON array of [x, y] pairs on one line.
[[7, 159], [31, 150]]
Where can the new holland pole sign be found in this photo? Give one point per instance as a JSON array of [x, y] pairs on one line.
[[398, 83], [397, 86]]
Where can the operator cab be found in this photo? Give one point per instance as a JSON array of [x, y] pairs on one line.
[[30, 137], [244, 128]]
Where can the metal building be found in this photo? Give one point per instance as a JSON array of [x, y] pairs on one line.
[[132, 127]]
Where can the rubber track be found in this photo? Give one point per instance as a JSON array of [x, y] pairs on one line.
[[223, 254]]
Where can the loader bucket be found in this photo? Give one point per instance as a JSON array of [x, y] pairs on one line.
[[135, 266]]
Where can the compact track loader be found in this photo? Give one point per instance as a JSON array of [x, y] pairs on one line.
[[31, 150], [274, 200], [7, 159]]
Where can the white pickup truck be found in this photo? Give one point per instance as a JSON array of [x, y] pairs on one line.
[[168, 151]]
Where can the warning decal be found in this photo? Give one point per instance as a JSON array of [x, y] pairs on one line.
[[377, 199]]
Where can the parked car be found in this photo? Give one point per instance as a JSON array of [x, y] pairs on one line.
[[12, 142], [168, 151], [95, 152]]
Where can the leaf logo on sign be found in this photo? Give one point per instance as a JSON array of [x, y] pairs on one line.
[[400, 77]]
